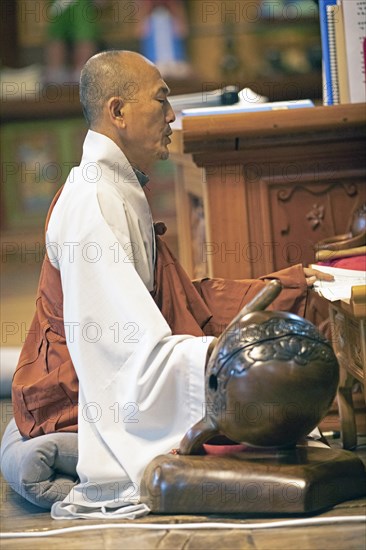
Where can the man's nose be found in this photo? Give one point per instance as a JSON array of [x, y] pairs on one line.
[[170, 114]]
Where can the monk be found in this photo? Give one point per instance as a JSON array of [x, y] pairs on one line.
[[120, 338]]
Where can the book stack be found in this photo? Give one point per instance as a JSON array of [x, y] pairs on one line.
[[343, 32]]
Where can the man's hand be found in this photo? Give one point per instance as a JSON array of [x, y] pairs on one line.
[[312, 275]]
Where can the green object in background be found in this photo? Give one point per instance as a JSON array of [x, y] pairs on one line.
[[37, 158], [75, 22]]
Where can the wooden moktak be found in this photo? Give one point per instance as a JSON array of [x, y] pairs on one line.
[[270, 380]]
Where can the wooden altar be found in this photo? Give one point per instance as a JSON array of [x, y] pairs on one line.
[[256, 191]]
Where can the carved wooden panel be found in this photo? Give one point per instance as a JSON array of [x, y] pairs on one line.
[[259, 225], [304, 213]]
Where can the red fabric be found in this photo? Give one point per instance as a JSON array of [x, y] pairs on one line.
[[45, 386], [224, 449], [207, 306], [352, 262]]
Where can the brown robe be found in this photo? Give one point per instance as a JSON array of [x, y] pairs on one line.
[[45, 385]]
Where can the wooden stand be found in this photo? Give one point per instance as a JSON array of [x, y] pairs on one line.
[[272, 185], [348, 324], [295, 481]]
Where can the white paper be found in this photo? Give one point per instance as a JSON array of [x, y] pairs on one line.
[[341, 287]]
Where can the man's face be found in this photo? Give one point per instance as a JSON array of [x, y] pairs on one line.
[[148, 115]]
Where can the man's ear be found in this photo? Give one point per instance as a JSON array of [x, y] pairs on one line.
[[116, 111]]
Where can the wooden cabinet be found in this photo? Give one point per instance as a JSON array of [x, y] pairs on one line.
[[272, 184]]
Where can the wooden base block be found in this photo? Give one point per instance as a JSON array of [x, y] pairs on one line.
[[296, 481]]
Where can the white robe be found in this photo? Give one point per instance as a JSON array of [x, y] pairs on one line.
[[140, 387]]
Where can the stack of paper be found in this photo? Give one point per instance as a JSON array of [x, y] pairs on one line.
[[341, 287]]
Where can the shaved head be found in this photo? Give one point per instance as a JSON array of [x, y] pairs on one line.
[[107, 74], [125, 98]]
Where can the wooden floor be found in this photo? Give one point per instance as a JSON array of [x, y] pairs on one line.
[[19, 515]]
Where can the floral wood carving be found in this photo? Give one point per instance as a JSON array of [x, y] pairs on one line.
[[316, 216]]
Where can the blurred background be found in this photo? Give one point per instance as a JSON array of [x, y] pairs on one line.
[[272, 47]]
